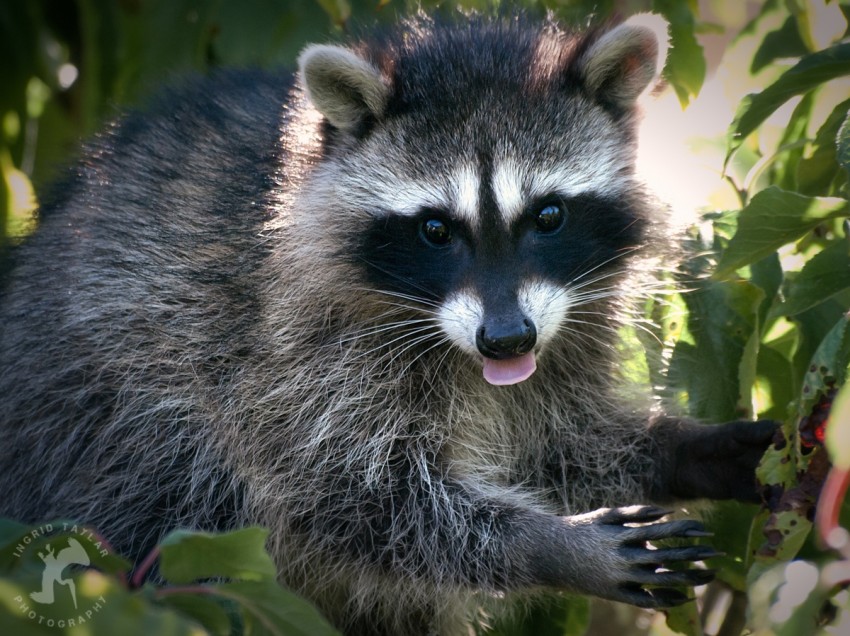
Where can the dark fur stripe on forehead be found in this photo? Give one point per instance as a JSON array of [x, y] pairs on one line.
[[434, 61]]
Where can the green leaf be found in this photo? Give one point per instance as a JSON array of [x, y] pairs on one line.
[[339, 11], [206, 611], [266, 32], [810, 72], [684, 619], [810, 328], [11, 533], [838, 429], [190, 556], [577, 618], [828, 366], [747, 369], [817, 172], [662, 331], [771, 219], [560, 615], [783, 163], [185, 31], [685, 68], [269, 610], [777, 466], [842, 143], [132, 614], [755, 538], [767, 274], [819, 22], [823, 276], [100, 45], [774, 380], [727, 520], [795, 480], [784, 42], [723, 318], [785, 599], [20, 545], [13, 619], [794, 529], [103, 608]]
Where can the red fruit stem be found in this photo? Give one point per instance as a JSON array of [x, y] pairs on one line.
[[829, 506]]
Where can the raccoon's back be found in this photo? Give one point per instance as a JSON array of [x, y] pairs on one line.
[[130, 310]]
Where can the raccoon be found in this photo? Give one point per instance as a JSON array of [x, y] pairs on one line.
[[373, 307]]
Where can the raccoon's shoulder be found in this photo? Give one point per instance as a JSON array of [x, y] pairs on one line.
[[222, 98], [234, 109], [195, 137]]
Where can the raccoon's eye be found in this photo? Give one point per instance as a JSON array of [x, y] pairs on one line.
[[550, 218], [435, 232]]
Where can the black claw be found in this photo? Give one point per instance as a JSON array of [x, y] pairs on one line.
[[656, 598], [681, 529], [701, 577], [651, 513], [635, 595], [692, 534], [701, 553]]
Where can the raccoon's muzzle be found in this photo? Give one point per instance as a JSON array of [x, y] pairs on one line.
[[507, 346]]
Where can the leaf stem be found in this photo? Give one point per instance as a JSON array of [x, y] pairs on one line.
[[144, 567]]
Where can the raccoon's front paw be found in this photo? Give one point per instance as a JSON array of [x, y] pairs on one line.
[[630, 571], [719, 462]]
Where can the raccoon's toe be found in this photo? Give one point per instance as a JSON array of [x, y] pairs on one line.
[[657, 558], [629, 514], [685, 529], [677, 578], [656, 588]]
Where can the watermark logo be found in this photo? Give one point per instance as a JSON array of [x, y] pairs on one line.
[[71, 547], [54, 564]]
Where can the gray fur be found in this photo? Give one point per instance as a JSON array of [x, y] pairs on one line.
[[186, 341]]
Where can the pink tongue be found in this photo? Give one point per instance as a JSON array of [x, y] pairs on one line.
[[502, 372]]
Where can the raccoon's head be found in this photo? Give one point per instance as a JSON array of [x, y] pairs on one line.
[[484, 172]]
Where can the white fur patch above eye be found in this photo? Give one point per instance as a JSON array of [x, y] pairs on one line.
[[515, 185], [507, 188], [546, 305], [381, 191], [571, 181], [464, 186], [460, 316]]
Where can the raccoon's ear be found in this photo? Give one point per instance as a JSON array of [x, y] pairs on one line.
[[343, 86], [619, 66]]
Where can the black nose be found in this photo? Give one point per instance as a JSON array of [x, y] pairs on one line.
[[500, 340]]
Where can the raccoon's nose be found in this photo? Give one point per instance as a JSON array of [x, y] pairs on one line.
[[506, 340]]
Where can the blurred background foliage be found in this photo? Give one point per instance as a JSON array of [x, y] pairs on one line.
[[749, 142]]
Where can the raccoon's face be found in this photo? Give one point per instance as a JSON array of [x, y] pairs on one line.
[[500, 214], [502, 260]]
